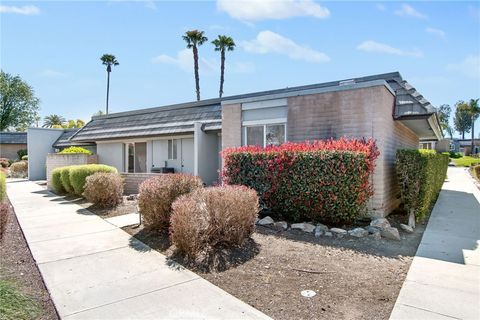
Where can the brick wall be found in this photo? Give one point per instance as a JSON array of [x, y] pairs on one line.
[[133, 180], [56, 160], [9, 151]]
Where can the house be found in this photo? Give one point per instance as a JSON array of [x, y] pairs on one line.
[[443, 145], [189, 137], [11, 143], [465, 146]]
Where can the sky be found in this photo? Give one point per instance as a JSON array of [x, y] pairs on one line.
[[55, 46]]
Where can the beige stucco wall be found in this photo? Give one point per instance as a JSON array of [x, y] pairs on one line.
[[56, 160], [9, 151], [362, 112]]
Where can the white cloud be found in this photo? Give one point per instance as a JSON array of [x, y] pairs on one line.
[[50, 73], [25, 10], [271, 42], [437, 32], [380, 7], [409, 11], [256, 10], [469, 67], [184, 60], [377, 47]]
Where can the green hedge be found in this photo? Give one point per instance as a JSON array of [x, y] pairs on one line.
[[75, 150], [78, 175], [421, 174], [3, 186], [65, 178], [57, 180]]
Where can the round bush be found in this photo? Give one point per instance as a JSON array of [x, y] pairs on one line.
[[25, 158], [104, 189], [79, 174], [19, 169], [57, 181], [65, 178], [4, 162], [75, 150], [213, 217], [157, 195]]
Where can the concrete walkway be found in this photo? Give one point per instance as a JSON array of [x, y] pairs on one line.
[[94, 270], [444, 279]]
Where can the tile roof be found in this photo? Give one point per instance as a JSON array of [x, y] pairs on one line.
[[64, 139], [13, 138]]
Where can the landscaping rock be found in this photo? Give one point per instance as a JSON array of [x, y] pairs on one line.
[[358, 232], [339, 232], [280, 225], [390, 233], [328, 234], [305, 227], [406, 228], [131, 197], [381, 223], [376, 235], [372, 230], [265, 221], [321, 227]]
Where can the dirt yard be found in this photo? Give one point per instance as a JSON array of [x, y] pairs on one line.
[[353, 278], [18, 269]]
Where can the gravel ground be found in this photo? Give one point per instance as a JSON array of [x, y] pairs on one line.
[[17, 266]]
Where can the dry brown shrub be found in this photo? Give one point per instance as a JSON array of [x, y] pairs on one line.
[[104, 189], [157, 195], [213, 217], [4, 207]]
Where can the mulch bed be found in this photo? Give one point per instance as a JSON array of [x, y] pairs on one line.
[[352, 278], [18, 267]]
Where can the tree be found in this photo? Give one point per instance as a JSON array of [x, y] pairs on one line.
[[73, 124], [18, 104], [53, 121], [194, 39], [99, 113], [221, 44], [108, 60], [474, 112], [444, 112], [462, 119]]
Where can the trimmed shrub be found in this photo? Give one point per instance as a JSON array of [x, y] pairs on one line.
[[476, 171], [57, 180], [104, 189], [421, 174], [455, 155], [19, 169], [78, 175], [321, 180], [3, 186], [4, 162], [65, 178], [213, 217], [75, 150], [157, 195], [4, 207], [21, 153], [25, 158]]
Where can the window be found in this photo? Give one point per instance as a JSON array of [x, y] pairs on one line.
[[265, 135], [172, 149]]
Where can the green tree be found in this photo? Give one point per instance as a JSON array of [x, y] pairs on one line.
[[474, 112], [53, 121], [18, 104], [73, 124], [444, 112], [462, 119], [222, 44], [108, 60], [194, 39]]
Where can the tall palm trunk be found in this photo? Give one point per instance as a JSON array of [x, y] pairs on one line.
[[222, 71], [463, 135], [197, 77], [473, 135], [108, 90]]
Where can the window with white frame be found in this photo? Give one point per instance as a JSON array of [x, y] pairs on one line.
[[264, 134], [172, 149]]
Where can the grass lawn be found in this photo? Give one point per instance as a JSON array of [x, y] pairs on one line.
[[466, 161], [15, 305]]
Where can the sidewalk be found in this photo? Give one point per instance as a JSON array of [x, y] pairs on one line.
[[94, 270], [444, 279]]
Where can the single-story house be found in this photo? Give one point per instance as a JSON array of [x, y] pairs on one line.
[[465, 146], [188, 137], [443, 145], [11, 143]]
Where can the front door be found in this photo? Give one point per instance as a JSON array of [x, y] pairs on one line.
[[187, 155]]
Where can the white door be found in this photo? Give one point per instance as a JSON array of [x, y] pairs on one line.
[[187, 155]]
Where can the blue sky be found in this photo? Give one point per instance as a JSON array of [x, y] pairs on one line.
[[55, 46]]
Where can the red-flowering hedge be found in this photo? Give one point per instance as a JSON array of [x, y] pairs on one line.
[[326, 180]]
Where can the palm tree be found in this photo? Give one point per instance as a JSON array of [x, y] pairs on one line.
[[221, 44], [194, 39], [108, 60], [53, 120], [474, 112]]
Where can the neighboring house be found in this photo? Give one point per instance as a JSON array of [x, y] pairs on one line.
[[189, 137], [465, 146], [443, 145], [11, 143], [42, 141]]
